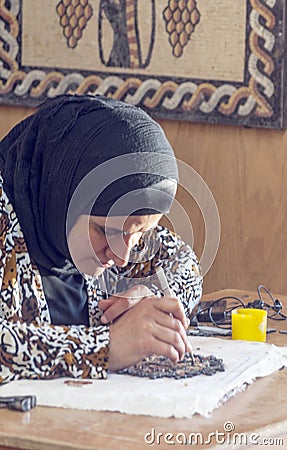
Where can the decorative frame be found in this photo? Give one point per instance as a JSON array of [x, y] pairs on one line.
[[258, 101]]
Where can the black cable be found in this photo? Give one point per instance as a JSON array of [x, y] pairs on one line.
[[259, 303]]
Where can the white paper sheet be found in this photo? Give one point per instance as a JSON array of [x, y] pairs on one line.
[[244, 362]]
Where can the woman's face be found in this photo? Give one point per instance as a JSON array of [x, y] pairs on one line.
[[97, 243]]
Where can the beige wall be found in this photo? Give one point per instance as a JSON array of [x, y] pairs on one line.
[[246, 170]]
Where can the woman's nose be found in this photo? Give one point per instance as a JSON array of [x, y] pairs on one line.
[[119, 248]]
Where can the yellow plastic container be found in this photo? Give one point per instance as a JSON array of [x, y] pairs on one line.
[[249, 324]]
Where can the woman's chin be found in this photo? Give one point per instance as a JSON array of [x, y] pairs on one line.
[[98, 271]]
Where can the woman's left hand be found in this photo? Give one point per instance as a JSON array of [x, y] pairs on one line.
[[116, 305]]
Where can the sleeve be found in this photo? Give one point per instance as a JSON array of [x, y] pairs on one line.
[[34, 352], [36, 349], [179, 262], [181, 267]]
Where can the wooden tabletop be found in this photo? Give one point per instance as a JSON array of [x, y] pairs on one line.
[[261, 408]]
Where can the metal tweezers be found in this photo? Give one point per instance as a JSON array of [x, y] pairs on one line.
[[19, 402]]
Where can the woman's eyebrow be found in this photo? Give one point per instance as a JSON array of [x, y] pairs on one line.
[[118, 230], [111, 230]]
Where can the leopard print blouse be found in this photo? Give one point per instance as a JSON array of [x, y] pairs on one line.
[[30, 346]]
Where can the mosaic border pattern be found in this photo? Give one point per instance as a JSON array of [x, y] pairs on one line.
[[259, 101]]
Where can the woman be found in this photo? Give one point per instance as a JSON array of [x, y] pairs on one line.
[[84, 184]]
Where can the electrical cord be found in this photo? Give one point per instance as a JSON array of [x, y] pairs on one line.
[[219, 311]]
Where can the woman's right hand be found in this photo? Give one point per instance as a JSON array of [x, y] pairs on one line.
[[152, 326]]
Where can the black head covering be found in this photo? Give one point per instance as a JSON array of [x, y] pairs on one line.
[[47, 156]]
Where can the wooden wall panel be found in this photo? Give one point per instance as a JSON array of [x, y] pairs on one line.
[[10, 115], [246, 170]]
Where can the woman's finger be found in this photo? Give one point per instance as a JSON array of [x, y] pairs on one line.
[[116, 308], [107, 303], [173, 339], [173, 324], [116, 305], [173, 306]]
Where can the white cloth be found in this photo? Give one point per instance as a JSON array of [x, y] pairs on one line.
[[244, 362]]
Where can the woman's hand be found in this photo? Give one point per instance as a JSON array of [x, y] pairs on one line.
[[152, 326], [116, 305]]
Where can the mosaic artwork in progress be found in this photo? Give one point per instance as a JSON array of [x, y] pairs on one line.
[[154, 367]]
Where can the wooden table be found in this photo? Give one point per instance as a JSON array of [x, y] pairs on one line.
[[261, 408]]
